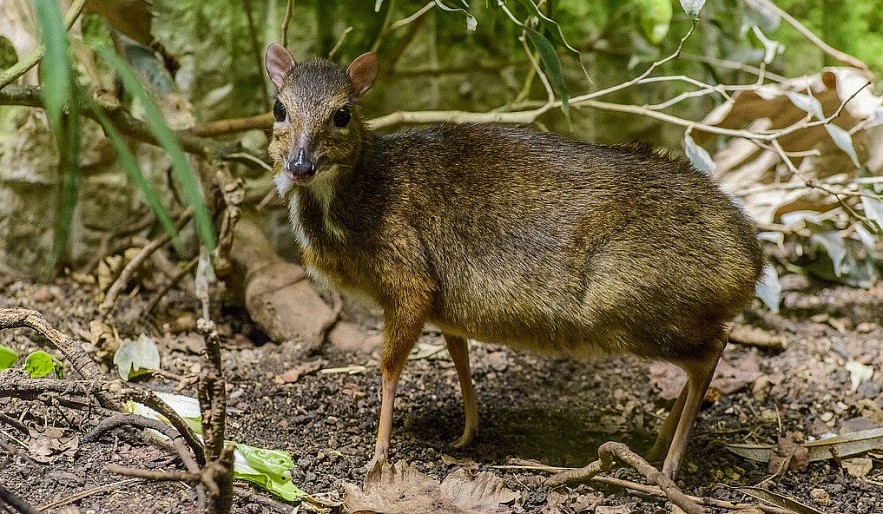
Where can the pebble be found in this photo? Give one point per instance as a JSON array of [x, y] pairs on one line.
[[43, 295], [827, 416], [820, 497]]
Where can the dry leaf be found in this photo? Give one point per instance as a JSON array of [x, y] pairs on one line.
[[858, 467], [402, 489], [728, 377], [48, 444], [743, 168], [788, 455], [304, 368]]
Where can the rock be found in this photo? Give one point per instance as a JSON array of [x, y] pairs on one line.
[[820, 497]]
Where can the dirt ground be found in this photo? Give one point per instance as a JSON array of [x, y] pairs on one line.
[[555, 411]]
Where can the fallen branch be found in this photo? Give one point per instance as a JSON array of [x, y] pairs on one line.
[[126, 419], [7, 497], [16, 317], [753, 336], [606, 453], [155, 474]]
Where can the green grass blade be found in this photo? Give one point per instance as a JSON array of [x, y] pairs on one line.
[[130, 166], [168, 141], [553, 67], [69, 147], [56, 67]]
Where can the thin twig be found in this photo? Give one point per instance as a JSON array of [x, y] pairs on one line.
[[256, 49], [14, 423], [814, 39], [151, 399], [384, 29], [84, 494], [126, 274], [174, 281], [31, 96], [289, 9], [222, 127], [155, 474]]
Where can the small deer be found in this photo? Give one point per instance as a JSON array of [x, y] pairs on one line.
[[509, 235]]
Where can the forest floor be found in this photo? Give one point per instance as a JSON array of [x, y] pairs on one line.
[[323, 409]]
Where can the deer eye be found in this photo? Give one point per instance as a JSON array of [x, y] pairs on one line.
[[342, 117], [279, 111]]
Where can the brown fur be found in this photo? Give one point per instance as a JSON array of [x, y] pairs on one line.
[[509, 235]]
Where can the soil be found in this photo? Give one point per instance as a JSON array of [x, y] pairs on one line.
[[555, 411]]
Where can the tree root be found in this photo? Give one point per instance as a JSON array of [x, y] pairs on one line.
[[606, 453]]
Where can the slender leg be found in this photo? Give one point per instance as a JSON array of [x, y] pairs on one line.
[[667, 430], [400, 335], [459, 350], [699, 374]]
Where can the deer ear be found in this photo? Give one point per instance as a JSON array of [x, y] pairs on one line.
[[279, 62], [362, 73]]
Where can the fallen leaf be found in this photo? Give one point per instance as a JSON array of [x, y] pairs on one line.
[[48, 444], [858, 373], [104, 338], [305, 368], [668, 378], [842, 446], [401, 489], [788, 455], [728, 377], [136, 355], [858, 467], [777, 499]]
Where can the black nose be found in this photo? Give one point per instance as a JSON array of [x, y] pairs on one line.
[[301, 165]]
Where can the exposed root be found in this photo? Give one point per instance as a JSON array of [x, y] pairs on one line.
[[606, 453]]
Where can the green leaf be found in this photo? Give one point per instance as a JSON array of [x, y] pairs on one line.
[[270, 469], [136, 355], [7, 357], [56, 67], [843, 141], [557, 33], [39, 364], [553, 67], [8, 56], [167, 139], [655, 16], [130, 165]]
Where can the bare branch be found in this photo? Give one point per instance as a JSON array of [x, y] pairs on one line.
[[29, 61], [30, 96], [814, 39]]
